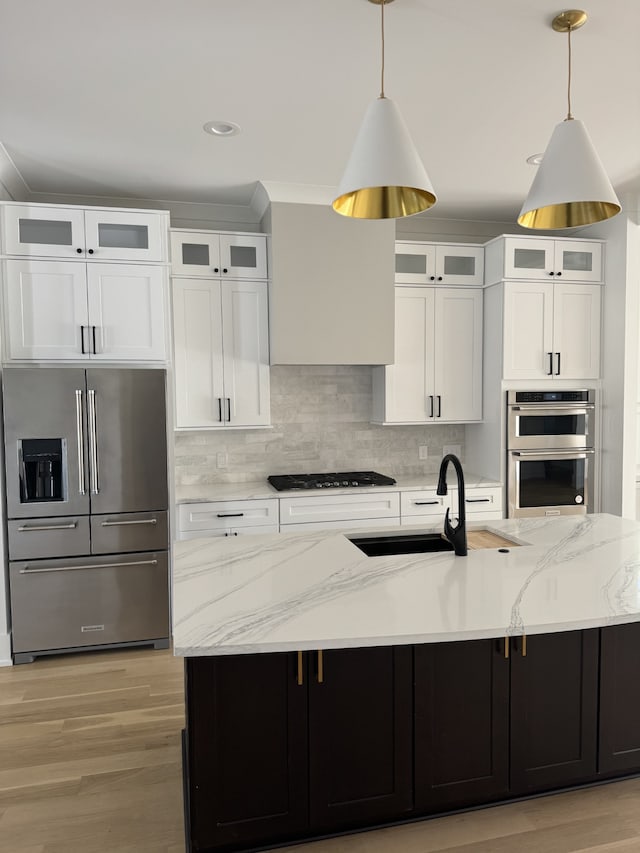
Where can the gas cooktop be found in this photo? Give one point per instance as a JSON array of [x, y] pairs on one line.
[[335, 480]]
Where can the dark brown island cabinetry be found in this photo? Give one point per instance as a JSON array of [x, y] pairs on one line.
[[620, 699], [289, 746], [282, 746]]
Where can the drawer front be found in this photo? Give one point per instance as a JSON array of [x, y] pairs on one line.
[[339, 525], [87, 601], [424, 503], [32, 538], [229, 531], [220, 515], [129, 531], [481, 500], [339, 507]]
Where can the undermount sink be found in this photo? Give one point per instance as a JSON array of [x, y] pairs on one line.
[[408, 543]]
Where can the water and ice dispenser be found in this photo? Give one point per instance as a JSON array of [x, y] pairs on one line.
[[41, 469]]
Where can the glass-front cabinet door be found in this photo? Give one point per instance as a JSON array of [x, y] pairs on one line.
[[526, 258], [578, 260], [568, 260], [195, 253], [56, 232], [243, 255], [460, 264], [415, 263], [124, 235]]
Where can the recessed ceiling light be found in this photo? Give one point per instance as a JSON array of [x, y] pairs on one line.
[[221, 128], [535, 159]]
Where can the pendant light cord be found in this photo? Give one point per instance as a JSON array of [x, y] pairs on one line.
[[569, 116], [382, 40]]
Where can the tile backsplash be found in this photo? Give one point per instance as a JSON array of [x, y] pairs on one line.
[[320, 417]]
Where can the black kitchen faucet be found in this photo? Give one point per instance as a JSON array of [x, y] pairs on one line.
[[456, 535]]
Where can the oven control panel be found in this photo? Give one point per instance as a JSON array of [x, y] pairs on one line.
[[550, 397]]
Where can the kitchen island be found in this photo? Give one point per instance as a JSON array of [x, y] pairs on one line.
[[329, 691]]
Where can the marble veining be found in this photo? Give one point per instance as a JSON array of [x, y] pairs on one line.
[[290, 591]]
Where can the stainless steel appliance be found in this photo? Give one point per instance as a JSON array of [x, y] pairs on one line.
[[551, 452], [333, 480], [87, 498]]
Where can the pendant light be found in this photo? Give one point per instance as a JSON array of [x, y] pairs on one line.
[[384, 178], [571, 187]]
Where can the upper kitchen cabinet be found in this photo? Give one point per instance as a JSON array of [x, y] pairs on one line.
[[429, 263], [543, 258], [100, 234], [436, 376], [225, 255], [69, 311], [221, 343], [331, 288]]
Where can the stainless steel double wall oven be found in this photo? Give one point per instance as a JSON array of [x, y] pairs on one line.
[[551, 451]]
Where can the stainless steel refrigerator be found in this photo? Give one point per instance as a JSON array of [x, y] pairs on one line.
[[87, 498]]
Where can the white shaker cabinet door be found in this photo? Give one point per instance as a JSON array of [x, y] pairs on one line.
[[46, 309], [125, 236], [576, 331], [197, 339], [44, 231], [528, 330], [458, 354], [126, 312], [246, 353]]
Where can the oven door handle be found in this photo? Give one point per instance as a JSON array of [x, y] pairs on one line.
[[579, 409], [554, 454]]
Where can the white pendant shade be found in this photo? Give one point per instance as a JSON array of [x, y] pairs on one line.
[[571, 187], [384, 178]]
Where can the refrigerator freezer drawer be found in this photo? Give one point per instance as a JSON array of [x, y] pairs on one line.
[[129, 531], [62, 604], [35, 538]]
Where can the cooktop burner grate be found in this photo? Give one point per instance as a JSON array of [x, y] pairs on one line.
[[332, 480]]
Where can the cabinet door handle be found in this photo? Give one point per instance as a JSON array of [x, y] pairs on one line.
[[430, 405], [93, 337], [425, 503], [524, 645], [300, 677], [558, 370], [229, 514], [550, 354], [220, 409], [320, 667], [507, 643], [82, 349], [228, 399], [439, 398]]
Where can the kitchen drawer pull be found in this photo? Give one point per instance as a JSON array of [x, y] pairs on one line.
[[478, 500], [28, 570], [229, 515], [24, 529], [133, 521], [425, 503]]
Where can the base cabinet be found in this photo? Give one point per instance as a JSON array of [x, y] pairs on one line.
[[619, 700], [291, 746]]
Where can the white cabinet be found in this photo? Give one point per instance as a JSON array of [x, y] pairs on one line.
[[437, 371], [427, 507], [481, 504], [64, 310], [426, 263], [317, 512], [225, 255], [221, 344], [551, 330], [92, 233], [543, 258], [227, 518]]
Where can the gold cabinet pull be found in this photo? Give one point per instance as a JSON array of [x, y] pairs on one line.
[[320, 667], [524, 645], [300, 678], [506, 648]]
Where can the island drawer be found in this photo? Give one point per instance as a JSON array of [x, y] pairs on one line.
[[323, 508], [220, 515], [424, 502], [481, 501]]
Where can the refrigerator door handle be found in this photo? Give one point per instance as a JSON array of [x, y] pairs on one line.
[[80, 440], [93, 443], [29, 570]]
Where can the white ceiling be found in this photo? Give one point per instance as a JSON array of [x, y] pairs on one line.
[[108, 99]]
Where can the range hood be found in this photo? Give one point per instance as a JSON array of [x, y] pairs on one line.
[[331, 297]]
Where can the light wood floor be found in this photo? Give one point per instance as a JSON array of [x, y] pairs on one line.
[[90, 763]]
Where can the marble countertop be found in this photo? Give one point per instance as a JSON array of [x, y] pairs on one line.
[[300, 591], [261, 489]]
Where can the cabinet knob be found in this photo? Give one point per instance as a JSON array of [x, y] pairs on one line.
[[439, 278], [79, 251], [215, 269], [559, 273], [224, 269], [432, 278], [90, 251], [552, 273]]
